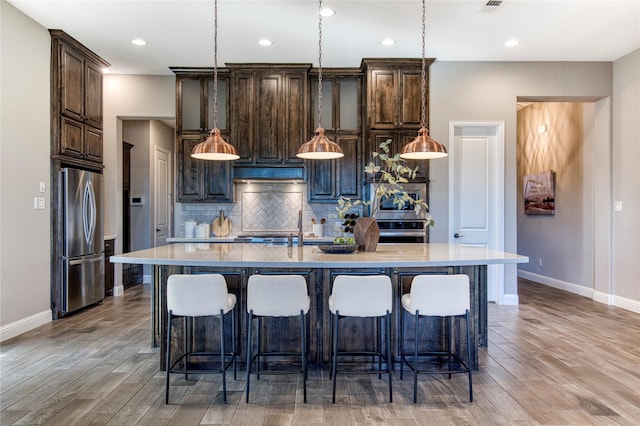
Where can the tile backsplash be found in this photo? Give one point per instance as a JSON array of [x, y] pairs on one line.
[[264, 207]]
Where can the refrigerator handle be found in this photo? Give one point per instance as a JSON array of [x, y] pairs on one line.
[[89, 212]]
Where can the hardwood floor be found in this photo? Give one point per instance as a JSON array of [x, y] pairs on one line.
[[557, 359]]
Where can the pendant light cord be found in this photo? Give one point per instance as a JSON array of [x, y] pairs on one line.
[[215, 64], [320, 63], [423, 116]]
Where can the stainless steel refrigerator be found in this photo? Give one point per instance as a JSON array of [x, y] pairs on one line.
[[83, 242]]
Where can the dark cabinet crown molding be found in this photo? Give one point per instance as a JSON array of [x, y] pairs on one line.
[[88, 53]]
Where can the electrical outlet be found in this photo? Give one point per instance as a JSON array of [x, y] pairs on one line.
[[540, 262], [38, 203]]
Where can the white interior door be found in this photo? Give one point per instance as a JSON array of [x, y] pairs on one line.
[[162, 196], [476, 185]]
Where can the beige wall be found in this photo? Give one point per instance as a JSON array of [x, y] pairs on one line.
[[25, 241], [626, 179]]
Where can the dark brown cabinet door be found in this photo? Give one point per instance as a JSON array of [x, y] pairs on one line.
[[330, 179], [109, 250], [93, 95], [268, 107], [218, 185], [71, 138], [410, 98], [93, 144], [383, 98], [71, 83], [394, 93], [399, 139], [295, 116], [189, 170], [200, 180], [242, 107], [395, 100], [269, 119], [349, 178]]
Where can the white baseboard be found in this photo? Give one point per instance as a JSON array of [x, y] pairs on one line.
[[559, 284], [510, 299], [597, 296], [25, 324]]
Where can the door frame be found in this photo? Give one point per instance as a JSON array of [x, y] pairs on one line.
[[169, 197], [495, 273]]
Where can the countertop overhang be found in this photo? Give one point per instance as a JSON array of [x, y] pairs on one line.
[[263, 256]]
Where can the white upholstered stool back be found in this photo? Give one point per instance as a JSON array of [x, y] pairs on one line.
[[198, 295], [277, 295], [438, 295], [361, 295]]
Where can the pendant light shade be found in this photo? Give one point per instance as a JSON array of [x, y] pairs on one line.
[[320, 147], [423, 147], [215, 148]]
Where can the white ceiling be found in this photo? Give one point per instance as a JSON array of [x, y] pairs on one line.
[[180, 32]]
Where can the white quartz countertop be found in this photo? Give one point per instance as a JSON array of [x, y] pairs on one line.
[[310, 256], [231, 239]]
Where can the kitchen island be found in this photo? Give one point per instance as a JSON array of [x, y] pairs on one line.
[[401, 262]]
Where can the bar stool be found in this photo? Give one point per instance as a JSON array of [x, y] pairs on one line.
[[276, 296], [445, 296], [361, 296], [194, 296]]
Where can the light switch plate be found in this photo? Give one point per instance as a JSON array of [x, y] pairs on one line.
[[42, 187], [618, 206]]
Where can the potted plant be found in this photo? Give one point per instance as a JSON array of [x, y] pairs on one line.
[[387, 178]]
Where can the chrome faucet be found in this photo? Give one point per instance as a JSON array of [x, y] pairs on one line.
[[300, 237]]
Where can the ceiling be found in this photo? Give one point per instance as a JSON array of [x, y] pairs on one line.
[[180, 32]]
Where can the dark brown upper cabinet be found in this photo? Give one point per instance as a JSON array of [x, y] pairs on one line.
[[200, 180], [394, 98], [394, 106], [342, 122], [76, 101], [196, 111], [269, 110]]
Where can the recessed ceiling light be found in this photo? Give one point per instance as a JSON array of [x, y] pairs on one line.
[[327, 12], [511, 42], [265, 42], [388, 42], [138, 42]]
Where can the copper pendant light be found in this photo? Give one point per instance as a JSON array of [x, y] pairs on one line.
[[215, 147], [320, 147], [423, 147]]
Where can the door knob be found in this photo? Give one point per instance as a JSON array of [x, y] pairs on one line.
[[456, 235]]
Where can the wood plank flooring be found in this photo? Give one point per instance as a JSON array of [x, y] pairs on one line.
[[557, 359]]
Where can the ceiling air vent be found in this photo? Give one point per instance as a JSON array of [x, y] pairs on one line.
[[492, 5]]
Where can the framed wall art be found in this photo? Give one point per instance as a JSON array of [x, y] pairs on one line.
[[539, 193]]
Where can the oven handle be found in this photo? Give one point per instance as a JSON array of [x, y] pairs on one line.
[[401, 234]]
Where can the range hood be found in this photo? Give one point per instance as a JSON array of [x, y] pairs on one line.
[[245, 173]]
